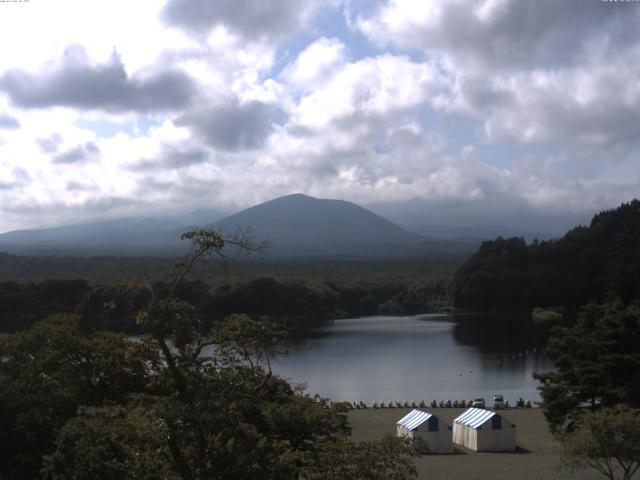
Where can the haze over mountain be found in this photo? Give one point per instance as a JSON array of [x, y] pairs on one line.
[[484, 219], [124, 235], [294, 225]]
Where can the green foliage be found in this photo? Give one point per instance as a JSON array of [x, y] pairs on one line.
[[493, 275], [584, 265], [291, 300], [92, 405], [597, 364], [607, 440], [301, 304], [49, 371], [389, 459], [110, 443], [254, 341], [427, 295], [22, 304], [112, 307]]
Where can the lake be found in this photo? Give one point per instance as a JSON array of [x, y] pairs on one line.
[[422, 357]]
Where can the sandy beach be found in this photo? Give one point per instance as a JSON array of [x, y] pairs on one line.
[[537, 457]]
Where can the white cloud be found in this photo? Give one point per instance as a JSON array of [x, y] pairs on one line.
[[552, 86], [371, 87], [41, 31], [316, 64], [254, 21], [541, 71]]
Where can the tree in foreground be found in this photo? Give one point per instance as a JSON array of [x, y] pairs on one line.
[[47, 372], [597, 364], [179, 404], [607, 440], [388, 459]]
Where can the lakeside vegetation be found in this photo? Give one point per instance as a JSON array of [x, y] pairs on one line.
[[587, 264], [592, 399], [299, 294]]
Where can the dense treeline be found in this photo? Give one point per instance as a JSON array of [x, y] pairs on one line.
[[106, 269], [115, 269], [300, 303], [587, 264]]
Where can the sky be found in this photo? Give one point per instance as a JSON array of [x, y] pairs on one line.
[[459, 111]]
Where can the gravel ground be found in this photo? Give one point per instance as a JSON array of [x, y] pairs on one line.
[[537, 456]]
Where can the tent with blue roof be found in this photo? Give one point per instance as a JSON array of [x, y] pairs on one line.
[[484, 431], [435, 433]]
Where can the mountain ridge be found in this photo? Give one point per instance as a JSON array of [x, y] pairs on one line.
[[299, 219], [296, 226]]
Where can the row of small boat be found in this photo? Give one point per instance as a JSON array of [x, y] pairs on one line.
[[420, 404]]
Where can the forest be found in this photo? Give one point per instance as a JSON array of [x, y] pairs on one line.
[[588, 263], [298, 294]]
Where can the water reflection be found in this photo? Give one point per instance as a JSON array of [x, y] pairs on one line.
[[501, 333], [419, 357]]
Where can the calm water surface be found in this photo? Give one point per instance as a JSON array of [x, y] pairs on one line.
[[428, 357]]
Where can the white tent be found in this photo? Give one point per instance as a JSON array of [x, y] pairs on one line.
[[435, 434], [484, 431]]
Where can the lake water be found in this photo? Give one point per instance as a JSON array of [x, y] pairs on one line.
[[423, 357]]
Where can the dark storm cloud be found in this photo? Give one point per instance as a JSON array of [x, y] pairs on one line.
[[7, 122], [233, 127], [50, 144], [172, 159], [80, 153], [76, 83], [250, 18]]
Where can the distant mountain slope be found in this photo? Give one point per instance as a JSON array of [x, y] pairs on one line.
[[303, 221], [119, 230], [471, 233], [296, 226], [586, 264], [128, 235]]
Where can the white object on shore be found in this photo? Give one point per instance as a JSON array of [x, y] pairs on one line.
[[436, 434], [483, 430]]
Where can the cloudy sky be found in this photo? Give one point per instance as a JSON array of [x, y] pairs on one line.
[[122, 108]]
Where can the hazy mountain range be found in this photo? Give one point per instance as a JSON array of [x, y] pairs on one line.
[[294, 225]]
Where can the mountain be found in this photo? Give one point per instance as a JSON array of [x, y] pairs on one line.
[[298, 226], [125, 235], [306, 221], [295, 226]]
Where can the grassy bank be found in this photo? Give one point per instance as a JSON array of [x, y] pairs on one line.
[[537, 457]]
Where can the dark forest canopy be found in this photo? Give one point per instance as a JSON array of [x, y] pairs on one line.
[[597, 364], [298, 302], [588, 263]]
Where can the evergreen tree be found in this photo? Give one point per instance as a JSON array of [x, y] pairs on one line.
[[597, 364]]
